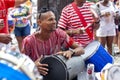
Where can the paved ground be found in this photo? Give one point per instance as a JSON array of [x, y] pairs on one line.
[[117, 58]]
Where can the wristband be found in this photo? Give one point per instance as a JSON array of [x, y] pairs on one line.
[[73, 52]]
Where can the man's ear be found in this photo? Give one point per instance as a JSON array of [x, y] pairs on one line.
[[38, 21]]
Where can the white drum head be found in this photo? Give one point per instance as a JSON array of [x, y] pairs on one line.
[[90, 49], [114, 73], [19, 63], [111, 72]]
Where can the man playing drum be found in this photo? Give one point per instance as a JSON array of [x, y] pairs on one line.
[[48, 40]]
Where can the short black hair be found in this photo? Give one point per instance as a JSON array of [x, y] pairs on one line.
[[43, 10]]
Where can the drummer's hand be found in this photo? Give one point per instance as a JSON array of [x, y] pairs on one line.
[[78, 31], [67, 54], [41, 67]]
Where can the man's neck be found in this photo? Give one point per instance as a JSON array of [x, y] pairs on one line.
[[78, 4], [43, 35], [105, 3]]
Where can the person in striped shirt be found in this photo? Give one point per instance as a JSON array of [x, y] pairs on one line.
[[48, 40], [79, 28]]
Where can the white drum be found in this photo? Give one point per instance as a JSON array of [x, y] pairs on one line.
[[61, 68], [16, 66], [111, 72]]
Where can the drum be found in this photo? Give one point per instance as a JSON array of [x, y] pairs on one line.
[[96, 54], [16, 66], [110, 72], [61, 68]]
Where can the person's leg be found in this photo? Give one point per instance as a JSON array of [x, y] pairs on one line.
[[101, 34], [25, 32], [115, 44], [17, 33], [109, 43], [115, 39], [102, 40], [110, 35], [119, 37], [119, 40], [19, 40]]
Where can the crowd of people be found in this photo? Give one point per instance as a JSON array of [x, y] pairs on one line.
[[79, 25]]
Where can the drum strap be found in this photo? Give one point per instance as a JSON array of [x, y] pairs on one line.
[[90, 33]]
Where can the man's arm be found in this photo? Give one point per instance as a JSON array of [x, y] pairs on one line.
[[74, 51], [5, 38], [18, 2]]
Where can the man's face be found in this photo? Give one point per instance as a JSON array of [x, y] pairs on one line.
[[81, 2], [106, 1], [48, 22]]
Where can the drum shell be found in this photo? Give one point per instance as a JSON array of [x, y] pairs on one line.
[[97, 55], [73, 66]]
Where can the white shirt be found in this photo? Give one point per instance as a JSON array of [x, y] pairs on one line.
[[107, 22]]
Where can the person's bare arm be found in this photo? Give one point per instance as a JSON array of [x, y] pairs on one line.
[[5, 38], [41, 67], [75, 51], [73, 31]]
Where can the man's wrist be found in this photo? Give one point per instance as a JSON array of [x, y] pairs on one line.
[[97, 22], [73, 52], [71, 32]]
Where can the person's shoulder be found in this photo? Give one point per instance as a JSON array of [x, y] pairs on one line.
[[29, 37], [98, 3], [67, 7], [60, 31], [89, 3]]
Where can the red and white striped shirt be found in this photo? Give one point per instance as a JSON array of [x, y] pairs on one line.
[[70, 20], [35, 47], [4, 5]]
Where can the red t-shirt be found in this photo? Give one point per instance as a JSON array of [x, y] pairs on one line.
[[34, 48], [4, 5]]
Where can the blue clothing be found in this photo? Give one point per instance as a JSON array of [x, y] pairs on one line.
[[22, 31], [10, 22]]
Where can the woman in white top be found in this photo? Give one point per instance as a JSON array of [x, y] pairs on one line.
[[106, 31]]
